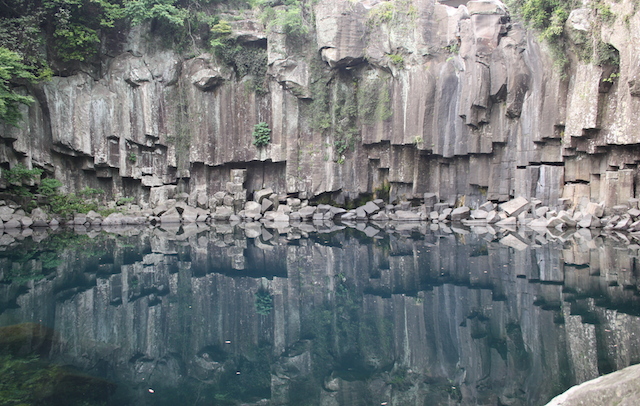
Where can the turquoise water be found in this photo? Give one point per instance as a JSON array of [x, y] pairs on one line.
[[316, 315]]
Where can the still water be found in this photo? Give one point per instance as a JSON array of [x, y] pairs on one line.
[[315, 315]]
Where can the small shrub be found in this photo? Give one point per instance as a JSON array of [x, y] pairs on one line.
[[49, 186], [20, 174], [261, 134], [124, 200], [397, 59], [132, 157]]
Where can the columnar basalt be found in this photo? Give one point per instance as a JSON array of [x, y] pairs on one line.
[[402, 97]]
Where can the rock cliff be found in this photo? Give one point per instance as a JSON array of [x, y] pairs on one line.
[[404, 96]]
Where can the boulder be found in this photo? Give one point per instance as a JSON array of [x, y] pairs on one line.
[[222, 213], [170, 216], [461, 213], [262, 194], [371, 208], [618, 388], [113, 219], [515, 206]]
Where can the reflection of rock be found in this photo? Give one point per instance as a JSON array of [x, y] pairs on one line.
[[413, 316]]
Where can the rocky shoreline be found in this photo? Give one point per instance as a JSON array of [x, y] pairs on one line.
[[283, 213]]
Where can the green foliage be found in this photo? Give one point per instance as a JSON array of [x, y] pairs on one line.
[[12, 70], [397, 59], [19, 377], [606, 54], [547, 16], [321, 102], [132, 157], [34, 260], [68, 204], [612, 77], [382, 191], [290, 18], [20, 174], [124, 200], [374, 100], [345, 113], [245, 59], [49, 187], [166, 11], [264, 302], [76, 25], [604, 12], [21, 33], [397, 13], [261, 134]]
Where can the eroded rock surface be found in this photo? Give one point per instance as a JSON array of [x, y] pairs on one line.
[[411, 97]]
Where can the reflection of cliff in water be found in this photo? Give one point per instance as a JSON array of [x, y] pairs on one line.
[[209, 316]]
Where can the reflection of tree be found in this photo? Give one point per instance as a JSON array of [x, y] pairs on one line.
[[264, 302]]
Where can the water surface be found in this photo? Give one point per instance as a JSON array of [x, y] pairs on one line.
[[315, 315]]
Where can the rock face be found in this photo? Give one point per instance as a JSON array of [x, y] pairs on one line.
[[414, 96], [619, 388]]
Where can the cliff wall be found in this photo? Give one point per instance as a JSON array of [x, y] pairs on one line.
[[409, 96]]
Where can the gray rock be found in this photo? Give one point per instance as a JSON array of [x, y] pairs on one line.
[[113, 219], [371, 208], [306, 213], [430, 199], [262, 194], [266, 205], [170, 216], [222, 213], [515, 206], [618, 388], [13, 223], [26, 222], [461, 213], [405, 215]]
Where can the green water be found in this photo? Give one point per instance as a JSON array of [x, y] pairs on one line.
[[234, 315]]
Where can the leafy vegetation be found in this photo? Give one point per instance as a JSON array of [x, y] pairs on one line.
[[396, 13], [12, 71], [261, 134], [290, 17], [374, 100], [264, 302]]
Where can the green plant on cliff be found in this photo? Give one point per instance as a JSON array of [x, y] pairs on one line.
[[76, 25], [20, 174], [290, 17], [12, 71], [546, 16], [374, 100], [399, 13], [261, 134]]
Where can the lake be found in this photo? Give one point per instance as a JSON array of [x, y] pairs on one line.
[[320, 314]]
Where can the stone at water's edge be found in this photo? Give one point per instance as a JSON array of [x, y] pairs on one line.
[[620, 388]]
